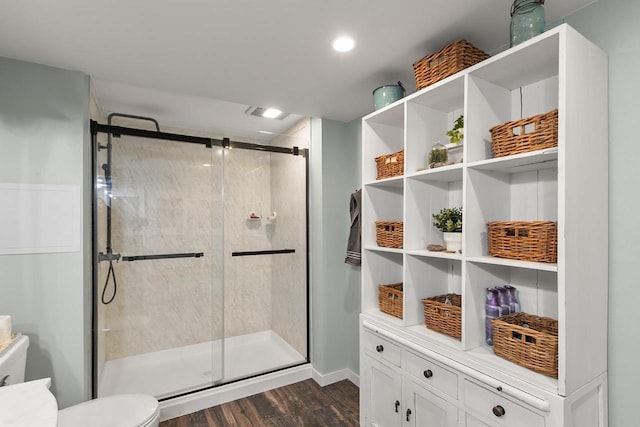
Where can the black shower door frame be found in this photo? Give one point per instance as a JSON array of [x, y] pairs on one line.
[[116, 131]]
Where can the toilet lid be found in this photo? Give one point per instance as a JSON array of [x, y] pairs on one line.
[[28, 404], [123, 410]]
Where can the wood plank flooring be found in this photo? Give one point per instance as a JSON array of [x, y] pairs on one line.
[[300, 404]]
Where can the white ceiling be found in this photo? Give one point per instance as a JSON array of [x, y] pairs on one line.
[[199, 64]]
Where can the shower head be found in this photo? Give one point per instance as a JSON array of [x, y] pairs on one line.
[[129, 116]]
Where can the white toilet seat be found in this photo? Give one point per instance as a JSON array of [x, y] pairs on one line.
[[124, 410], [28, 404]]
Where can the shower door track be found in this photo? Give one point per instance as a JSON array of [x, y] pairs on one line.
[[208, 142]]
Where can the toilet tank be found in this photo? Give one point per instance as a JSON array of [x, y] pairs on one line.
[[13, 361]]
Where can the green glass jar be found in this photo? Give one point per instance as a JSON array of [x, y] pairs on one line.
[[438, 156], [527, 20]]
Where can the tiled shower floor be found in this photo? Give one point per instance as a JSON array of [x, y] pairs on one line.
[[179, 370]]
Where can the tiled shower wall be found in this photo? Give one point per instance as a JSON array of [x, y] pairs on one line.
[[164, 201], [167, 201]]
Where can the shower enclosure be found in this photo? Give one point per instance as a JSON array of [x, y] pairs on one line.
[[200, 258]]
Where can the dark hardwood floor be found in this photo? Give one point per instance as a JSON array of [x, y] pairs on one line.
[[300, 404]]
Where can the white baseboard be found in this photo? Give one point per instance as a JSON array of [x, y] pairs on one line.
[[195, 402], [334, 377]]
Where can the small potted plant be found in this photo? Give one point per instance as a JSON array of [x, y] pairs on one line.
[[456, 134], [449, 221]]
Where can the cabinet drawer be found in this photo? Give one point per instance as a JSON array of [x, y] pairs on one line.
[[382, 348], [431, 373], [489, 404]]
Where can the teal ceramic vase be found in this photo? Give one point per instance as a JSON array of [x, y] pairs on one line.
[[385, 95]]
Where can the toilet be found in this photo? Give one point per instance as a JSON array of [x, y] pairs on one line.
[[124, 410]]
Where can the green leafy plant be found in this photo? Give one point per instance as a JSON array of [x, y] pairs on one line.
[[457, 133], [448, 220]]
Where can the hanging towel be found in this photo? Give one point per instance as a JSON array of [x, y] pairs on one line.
[[353, 244]]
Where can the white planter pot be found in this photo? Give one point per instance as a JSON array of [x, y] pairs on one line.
[[453, 241]]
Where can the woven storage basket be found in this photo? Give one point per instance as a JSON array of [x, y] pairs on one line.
[[389, 233], [390, 299], [390, 165], [534, 345], [442, 317], [524, 240], [447, 61], [521, 136]]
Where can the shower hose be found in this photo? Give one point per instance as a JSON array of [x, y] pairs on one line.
[[106, 284]]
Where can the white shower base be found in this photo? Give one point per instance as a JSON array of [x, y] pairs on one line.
[[179, 370]]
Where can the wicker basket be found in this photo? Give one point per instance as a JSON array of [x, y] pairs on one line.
[[524, 240], [442, 317], [389, 233], [390, 299], [521, 136], [390, 165], [534, 345], [447, 61]]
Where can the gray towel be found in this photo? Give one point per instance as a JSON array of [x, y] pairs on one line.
[[353, 244]]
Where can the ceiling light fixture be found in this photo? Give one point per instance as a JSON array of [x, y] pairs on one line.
[[343, 44], [268, 113], [271, 113]]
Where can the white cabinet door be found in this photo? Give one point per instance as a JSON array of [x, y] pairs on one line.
[[383, 396], [423, 408], [471, 421]]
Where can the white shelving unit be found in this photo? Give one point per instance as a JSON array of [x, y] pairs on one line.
[[568, 184]]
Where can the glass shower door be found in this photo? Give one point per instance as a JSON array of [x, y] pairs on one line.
[[265, 258], [159, 290]]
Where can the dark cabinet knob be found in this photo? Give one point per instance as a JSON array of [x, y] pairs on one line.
[[498, 411], [397, 405], [428, 373], [408, 413], [379, 348]]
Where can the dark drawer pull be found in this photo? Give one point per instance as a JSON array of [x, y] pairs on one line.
[[428, 373], [379, 348], [498, 411]]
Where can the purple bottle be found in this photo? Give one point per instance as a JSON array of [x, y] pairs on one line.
[[503, 297], [512, 297], [492, 310]]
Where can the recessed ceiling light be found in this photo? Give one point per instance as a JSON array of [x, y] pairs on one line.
[[271, 113], [343, 44]]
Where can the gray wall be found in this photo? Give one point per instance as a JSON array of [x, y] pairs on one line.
[[43, 116], [335, 286], [614, 26], [44, 138]]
